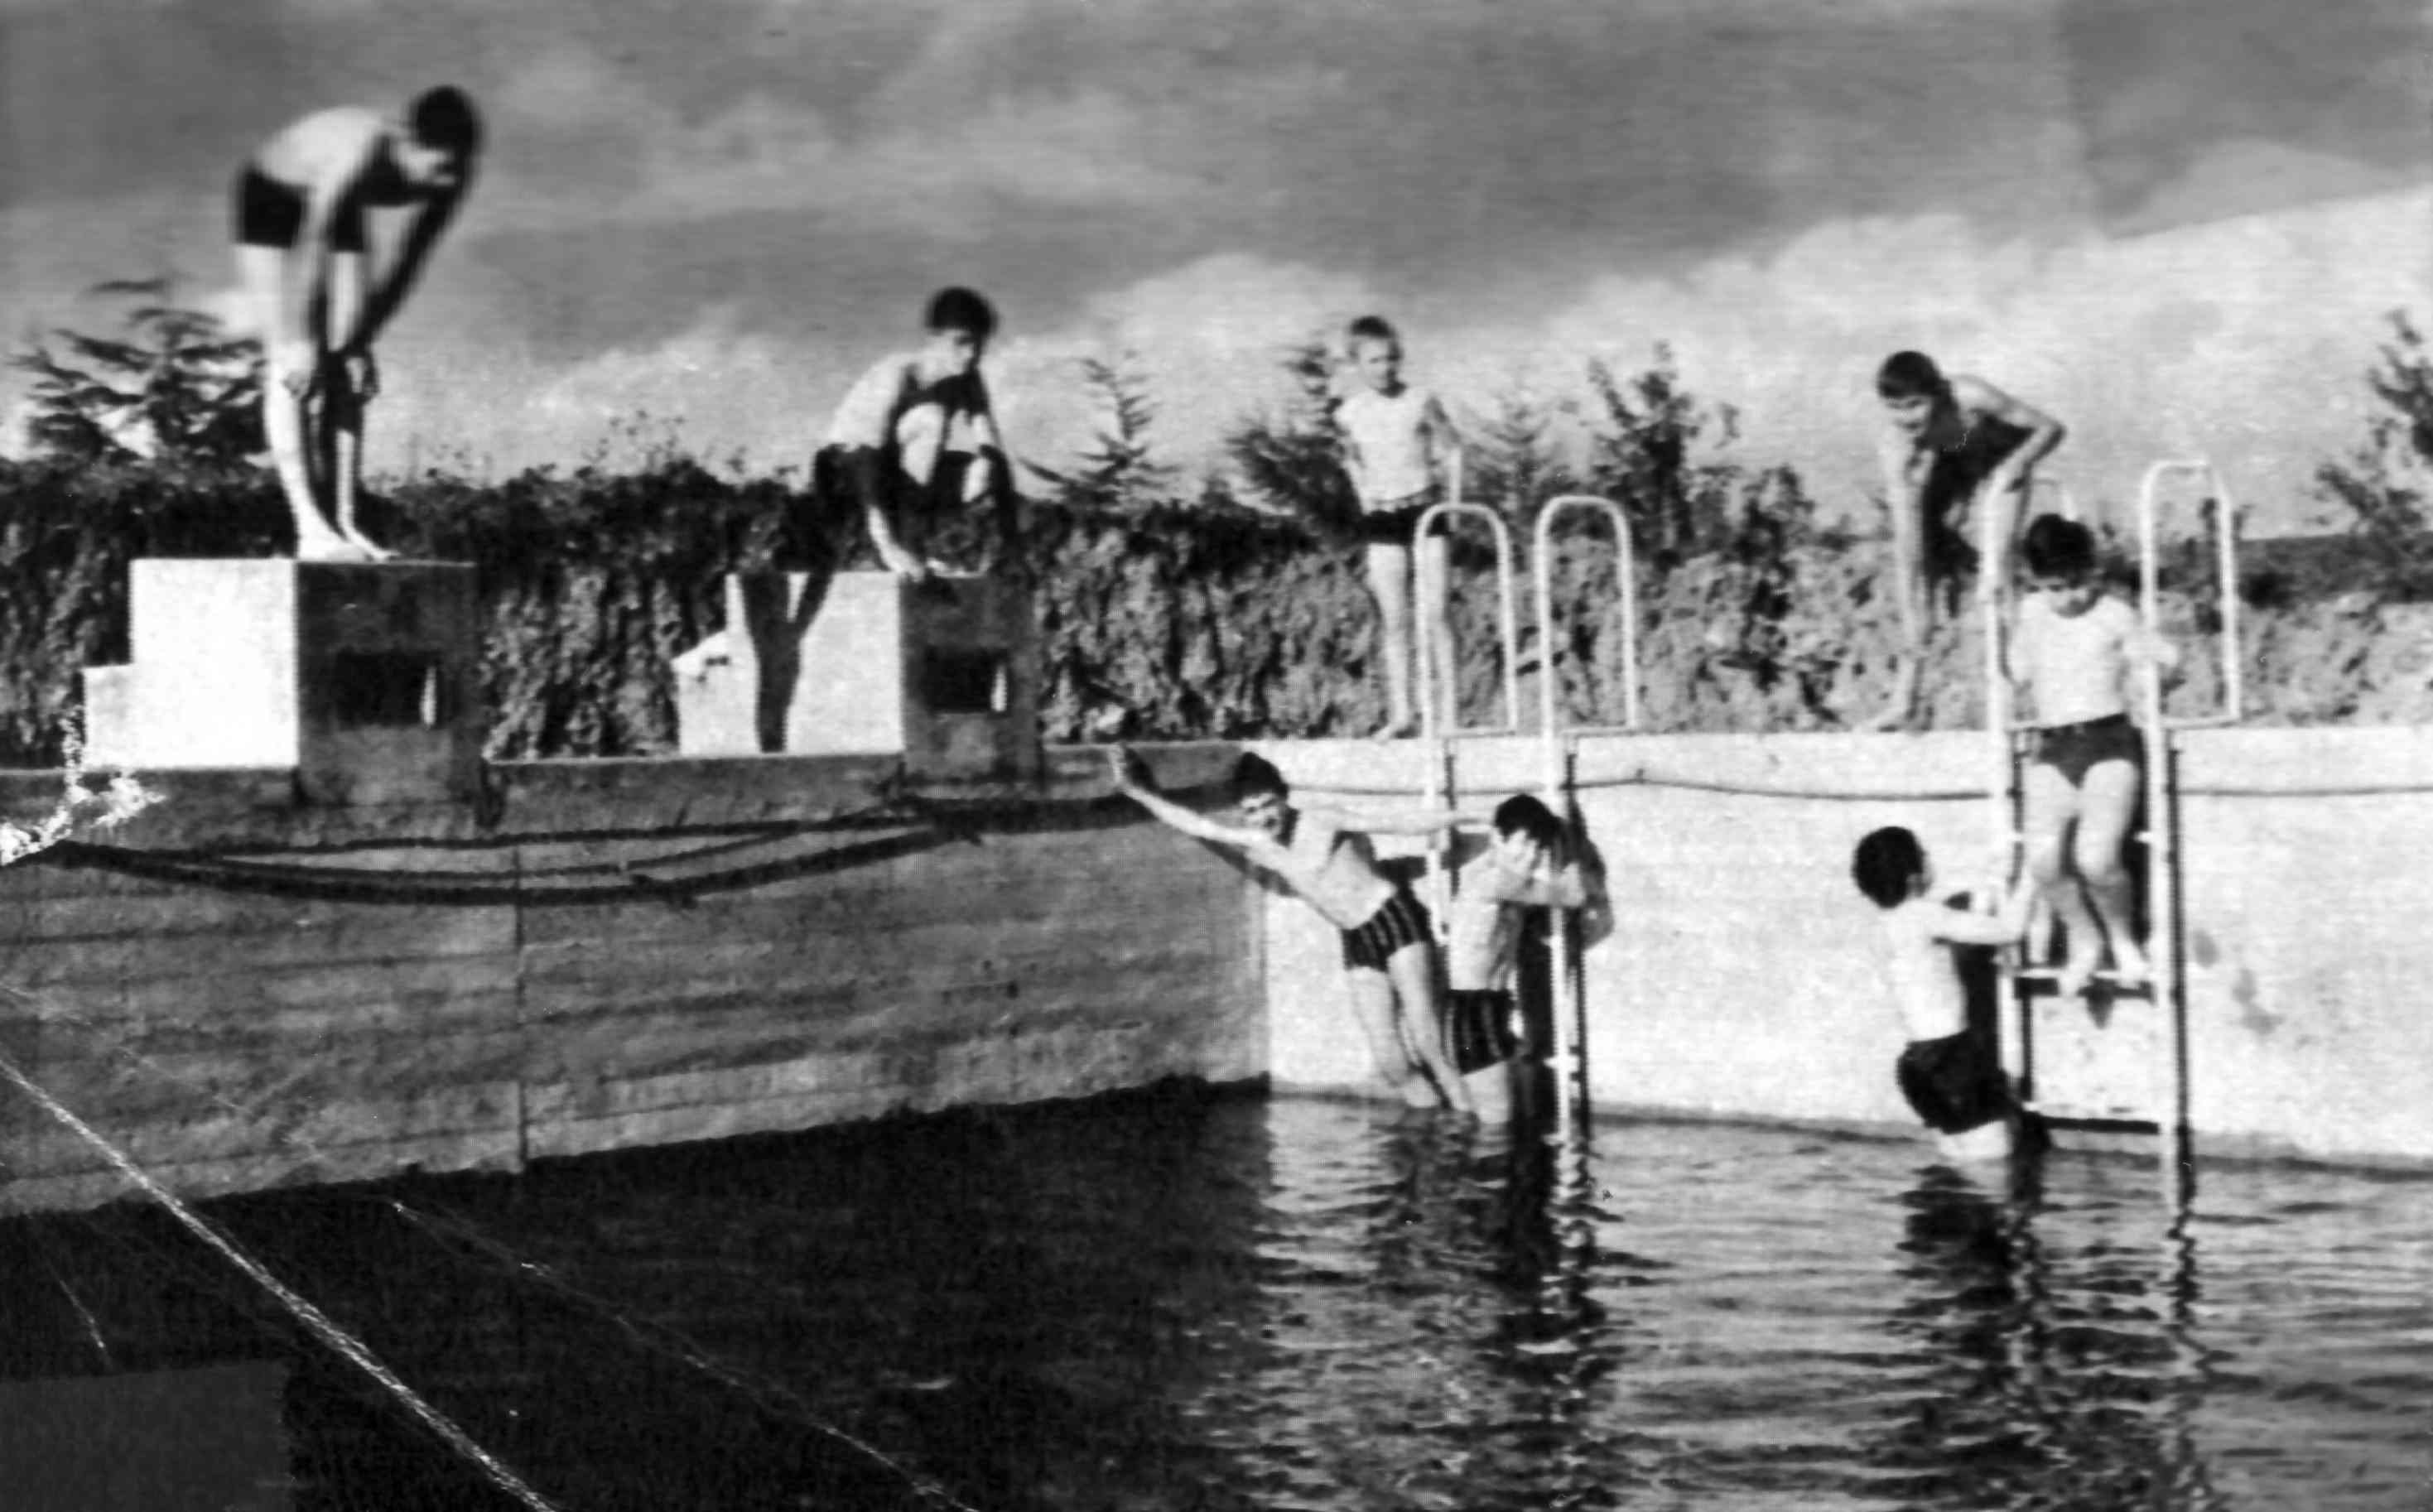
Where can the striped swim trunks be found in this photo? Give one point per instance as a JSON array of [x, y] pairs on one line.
[[1400, 920]]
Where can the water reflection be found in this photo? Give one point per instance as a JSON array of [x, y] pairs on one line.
[[2068, 1373]]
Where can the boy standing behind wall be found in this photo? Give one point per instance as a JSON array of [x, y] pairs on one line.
[[1396, 439]]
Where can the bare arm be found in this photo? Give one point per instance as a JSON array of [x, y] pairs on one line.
[[335, 182], [1976, 396], [398, 281], [1399, 821], [1961, 928], [1130, 775]]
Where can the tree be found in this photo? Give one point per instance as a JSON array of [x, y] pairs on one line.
[[172, 383], [1117, 472], [1292, 458], [1511, 460], [1640, 457], [2383, 483]]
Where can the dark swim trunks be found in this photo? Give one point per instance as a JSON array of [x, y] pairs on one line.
[[1952, 480], [1954, 1083], [2074, 750], [1400, 920], [1478, 1029], [1396, 521], [270, 214]]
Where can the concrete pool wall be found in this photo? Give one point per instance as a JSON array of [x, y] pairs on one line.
[[1744, 978], [243, 990]]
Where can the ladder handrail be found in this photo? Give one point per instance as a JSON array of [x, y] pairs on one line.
[[2234, 681], [1557, 744], [1625, 567], [1510, 626]]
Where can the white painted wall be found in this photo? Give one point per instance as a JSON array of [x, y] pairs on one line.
[[1744, 978]]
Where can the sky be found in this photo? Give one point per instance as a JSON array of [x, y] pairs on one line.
[[2177, 224]]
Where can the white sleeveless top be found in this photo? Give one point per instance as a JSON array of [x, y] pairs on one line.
[[1389, 437]]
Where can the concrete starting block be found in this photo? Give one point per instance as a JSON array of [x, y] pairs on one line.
[[943, 673], [361, 676]]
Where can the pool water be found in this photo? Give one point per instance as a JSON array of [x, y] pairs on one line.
[[1193, 1300]]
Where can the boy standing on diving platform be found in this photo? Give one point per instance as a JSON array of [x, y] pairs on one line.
[[301, 256], [1316, 854]]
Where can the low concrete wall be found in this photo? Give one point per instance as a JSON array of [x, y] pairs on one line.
[[241, 990], [1744, 978]]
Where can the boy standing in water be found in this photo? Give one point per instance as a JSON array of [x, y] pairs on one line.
[[916, 438], [1952, 1078], [2072, 651], [1528, 865], [1389, 953], [1396, 439], [300, 254], [1947, 442]]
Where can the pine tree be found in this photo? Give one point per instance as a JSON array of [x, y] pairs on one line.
[[1292, 459], [173, 381], [1117, 473]]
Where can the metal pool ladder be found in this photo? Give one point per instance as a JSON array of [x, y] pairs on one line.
[[1439, 729], [1558, 746], [2166, 1113]]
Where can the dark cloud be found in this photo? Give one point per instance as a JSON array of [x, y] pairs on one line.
[[2162, 86]]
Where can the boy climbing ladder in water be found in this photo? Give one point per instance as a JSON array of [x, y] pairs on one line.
[[1531, 863], [1947, 442], [1396, 440], [302, 254], [1389, 952], [2071, 651], [1952, 1078]]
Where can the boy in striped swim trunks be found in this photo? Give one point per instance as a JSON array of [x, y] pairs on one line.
[[1396, 439], [1530, 864], [1315, 854]]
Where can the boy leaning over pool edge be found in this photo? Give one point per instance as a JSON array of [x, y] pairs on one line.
[[1324, 858], [1951, 1078]]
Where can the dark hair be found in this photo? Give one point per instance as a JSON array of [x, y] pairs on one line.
[[1370, 328], [960, 309], [1887, 865], [1255, 777], [445, 118], [2055, 547], [1523, 815], [1910, 375]]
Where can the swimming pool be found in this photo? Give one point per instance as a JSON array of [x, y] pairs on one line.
[[1186, 1299]]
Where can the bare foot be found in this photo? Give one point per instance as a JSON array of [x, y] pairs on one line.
[[1894, 721], [1400, 729], [2075, 977], [330, 547], [370, 552], [2132, 969]]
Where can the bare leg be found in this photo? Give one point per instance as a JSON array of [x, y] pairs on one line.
[[1432, 588], [284, 417], [2052, 813], [1421, 1009], [2107, 807], [1372, 1005], [342, 419], [1390, 580]]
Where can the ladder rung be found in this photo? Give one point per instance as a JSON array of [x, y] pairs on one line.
[[2033, 978], [2122, 1120]]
